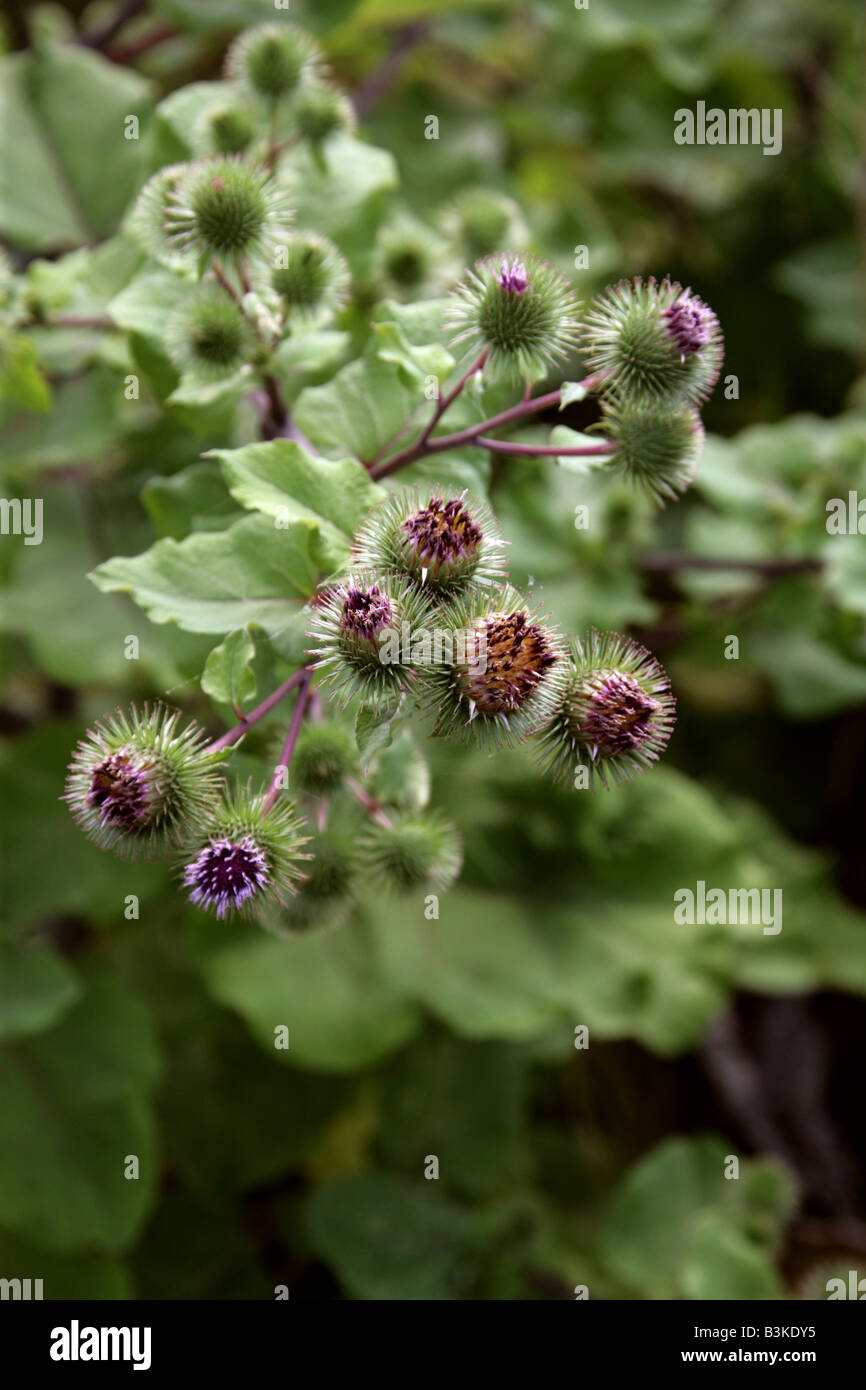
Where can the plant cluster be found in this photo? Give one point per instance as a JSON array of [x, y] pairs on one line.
[[421, 613]]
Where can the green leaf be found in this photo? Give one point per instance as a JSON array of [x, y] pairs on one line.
[[21, 381], [341, 1014], [372, 732], [809, 677], [401, 776], [251, 573], [195, 499], [359, 410], [567, 438], [59, 104], [282, 480], [678, 1228], [390, 1239], [73, 1108], [342, 196], [145, 303], [228, 675], [36, 990], [572, 392], [66, 1276]]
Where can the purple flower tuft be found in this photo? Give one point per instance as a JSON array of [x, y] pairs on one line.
[[442, 532], [688, 323], [366, 612], [119, 792], [513, 280], [226, 874], [619, 716]]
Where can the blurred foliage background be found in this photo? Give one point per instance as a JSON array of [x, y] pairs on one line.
[[558, 1167]]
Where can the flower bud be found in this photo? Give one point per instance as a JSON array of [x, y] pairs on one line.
[[501, 672], [324, 757], [326, 889], [363, 627], [659, 446], [225, 206], [148, 221], [415, 851], [272, 59], [243, 861], [441, 542], [521, 310], [654, 340], [224, 129], [138, 785], [311, 277], [482, 219], [207, 336], [320, 110], [616, 715]]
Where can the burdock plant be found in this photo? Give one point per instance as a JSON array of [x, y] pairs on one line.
[[363, 626], [138, 784], [442, 542], [501, 670], [654, 339], [406, 603], [248, 856], [615, 715], [520, 311]]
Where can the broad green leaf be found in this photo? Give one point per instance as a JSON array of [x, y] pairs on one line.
[[391, 1239], [37, 988], [215, 582], [810, 678], [195, 499], [63, 102], [228, 676], [677, 1227], [146, 302], [360, 410], [344, 196], [282, 480], [342, 1015], [72, 1276], [73, 1109]]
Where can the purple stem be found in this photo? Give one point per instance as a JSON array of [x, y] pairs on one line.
[[247, 721], [291, 740]]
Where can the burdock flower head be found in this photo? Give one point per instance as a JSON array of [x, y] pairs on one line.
[[413, 851], [653, 339], [245, 860], [501, 672], [320, 110], [442, 542], [326, 890], [208, 337], [521, 310], [138, 785], [364, 626], [227, 206], [224, 128], [615, 716], [272, 59], [148, 222], [659, 445], [309, 277]]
